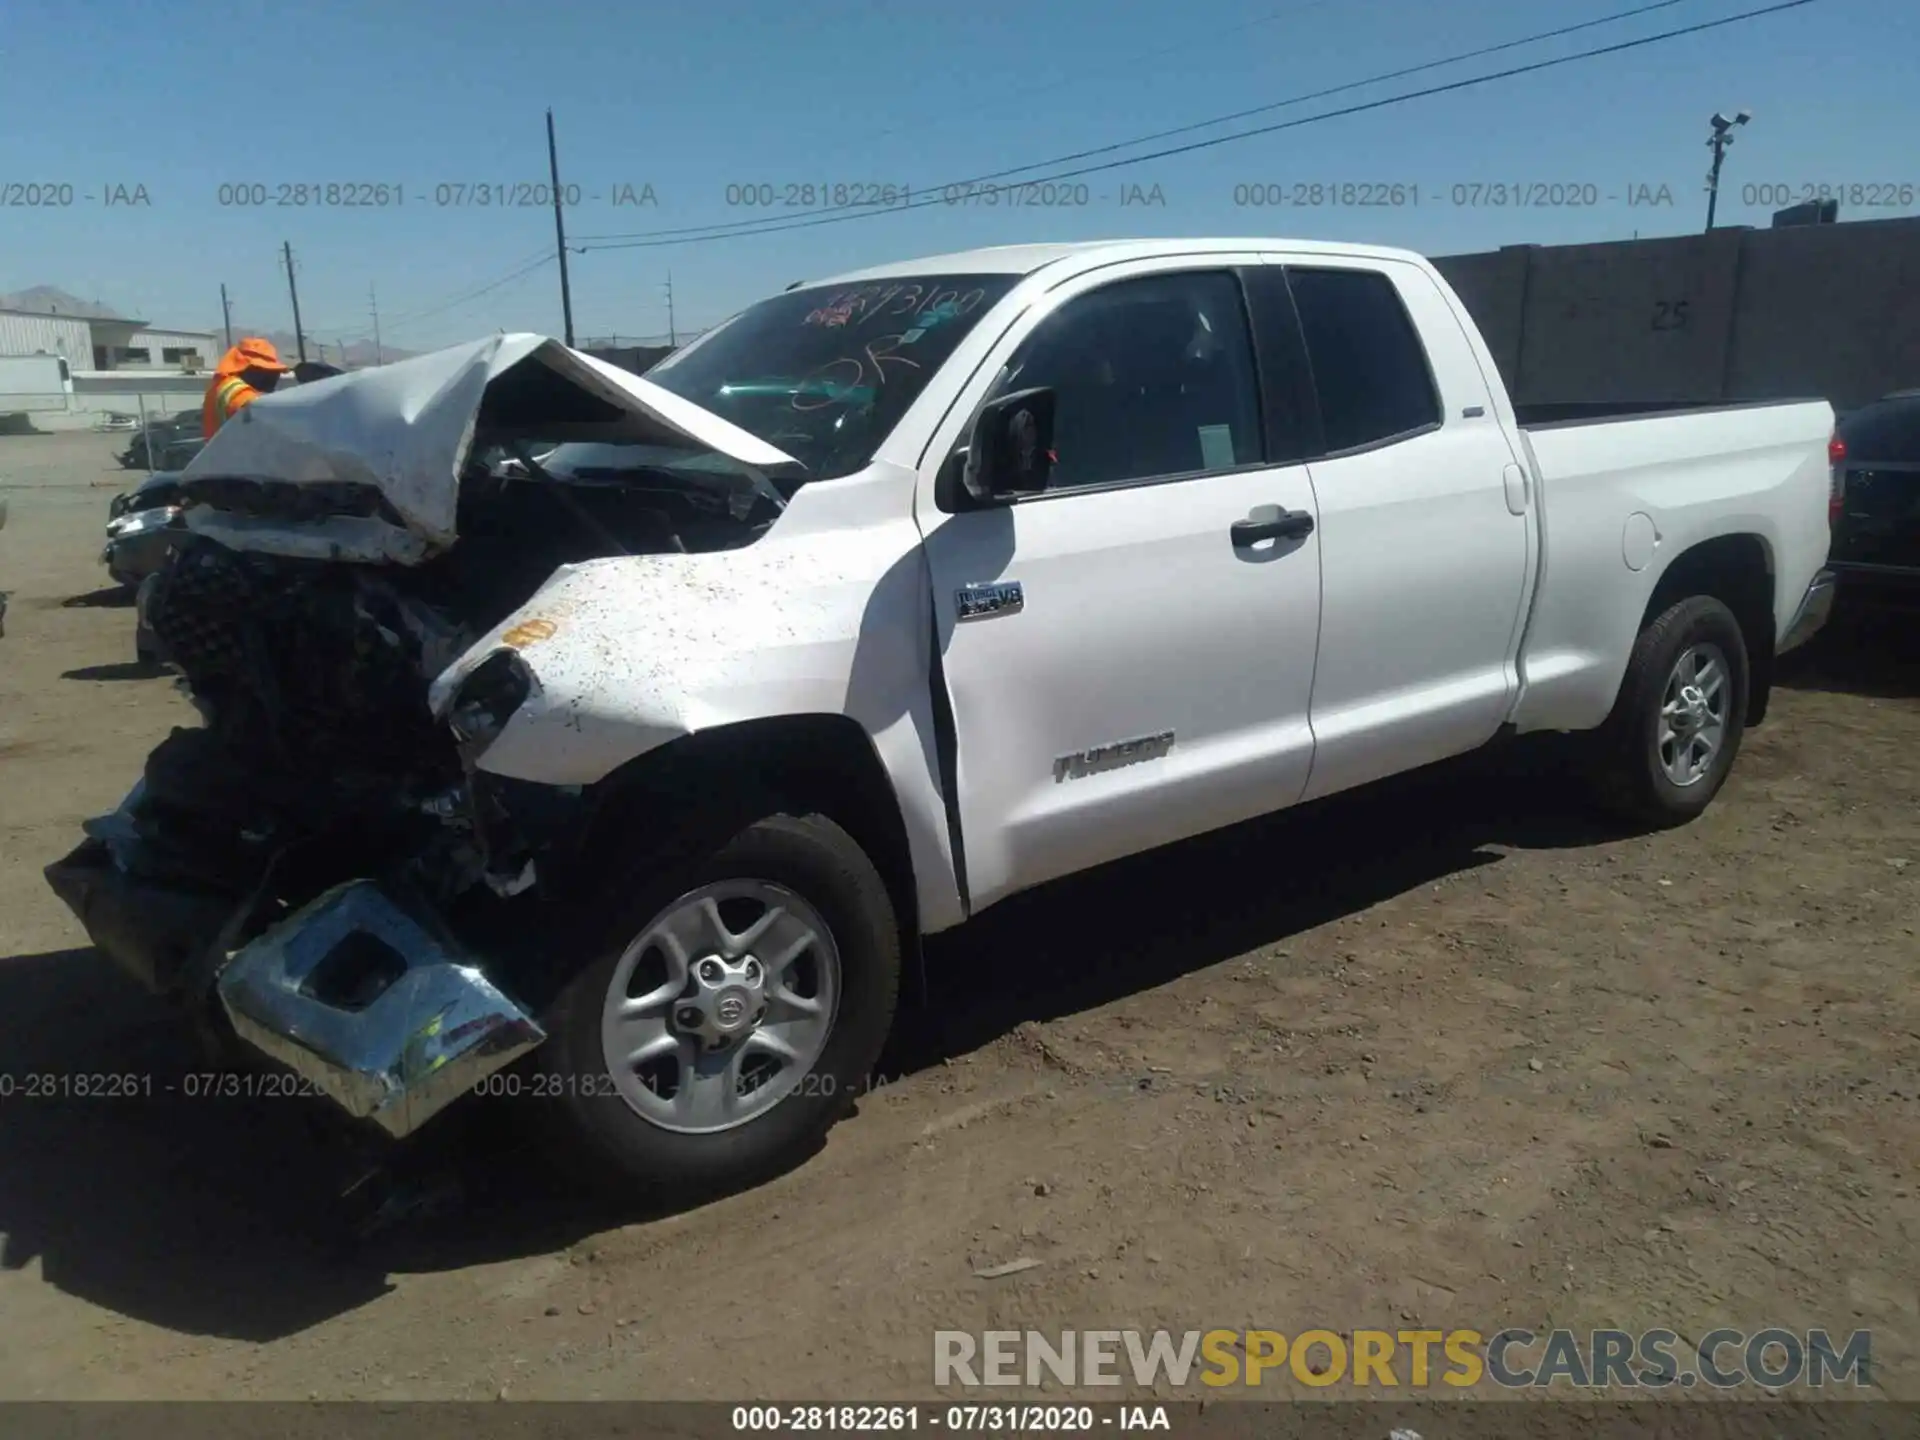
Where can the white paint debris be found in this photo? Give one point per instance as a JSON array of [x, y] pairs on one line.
[[1012, 1267]]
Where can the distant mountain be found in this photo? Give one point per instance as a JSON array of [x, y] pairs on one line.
[[358, 352], [52, 300]]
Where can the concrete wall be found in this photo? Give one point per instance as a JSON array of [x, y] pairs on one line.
[[1829, 310], [1826, 310], [637, 358], [100, 393], [1493, 286]]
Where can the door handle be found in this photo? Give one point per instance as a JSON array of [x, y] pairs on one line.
[[1270, 522]]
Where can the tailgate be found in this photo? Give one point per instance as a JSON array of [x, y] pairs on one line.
[[1879, 519]]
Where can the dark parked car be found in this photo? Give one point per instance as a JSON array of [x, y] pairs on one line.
[[176, 440], [143, 525], [1876, 499]]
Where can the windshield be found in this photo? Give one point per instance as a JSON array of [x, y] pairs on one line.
[[826, 373], [590, 457]]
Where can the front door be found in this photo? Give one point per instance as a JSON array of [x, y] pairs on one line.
[[1124, 666]]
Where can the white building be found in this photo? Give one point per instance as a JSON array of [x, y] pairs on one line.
[[132, 345], [116, 344], [27, 333], [119, 365]]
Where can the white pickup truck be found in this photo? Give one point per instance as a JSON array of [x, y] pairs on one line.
[[631, 777]]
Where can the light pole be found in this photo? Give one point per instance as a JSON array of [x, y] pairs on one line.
[[1718, 142]]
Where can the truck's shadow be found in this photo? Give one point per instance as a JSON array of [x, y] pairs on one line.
[[109, 597], [219, 1216]]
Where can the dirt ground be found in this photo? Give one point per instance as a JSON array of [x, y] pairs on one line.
[[1440, 1053]]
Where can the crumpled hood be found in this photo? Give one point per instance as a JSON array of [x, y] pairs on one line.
[[406, 429]]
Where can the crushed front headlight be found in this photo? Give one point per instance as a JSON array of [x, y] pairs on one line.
[[141, 522], [487, 699]]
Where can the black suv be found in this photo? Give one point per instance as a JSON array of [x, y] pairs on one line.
[[1876, 499]]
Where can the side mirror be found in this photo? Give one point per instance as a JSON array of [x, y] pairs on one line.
[[1011, 448]]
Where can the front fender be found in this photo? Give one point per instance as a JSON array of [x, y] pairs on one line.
[[632, 652]]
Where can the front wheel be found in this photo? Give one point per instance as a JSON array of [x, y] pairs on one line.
[[732, 1015], [1677, 724]]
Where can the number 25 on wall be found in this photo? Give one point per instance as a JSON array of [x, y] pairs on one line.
[[1670, 315]]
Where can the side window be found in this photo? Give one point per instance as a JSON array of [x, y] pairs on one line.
[[1369, 368], [1152, 377]]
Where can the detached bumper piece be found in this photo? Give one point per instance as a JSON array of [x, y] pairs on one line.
[[151, 931], [1815, 606], [151, 925], [375, 1006]]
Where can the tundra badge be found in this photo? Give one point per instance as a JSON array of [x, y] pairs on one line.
[[1111, 757], [998, 597]]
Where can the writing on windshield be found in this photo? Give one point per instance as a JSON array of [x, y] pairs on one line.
[[825, 373]]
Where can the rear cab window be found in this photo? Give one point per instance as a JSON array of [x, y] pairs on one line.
[[1371, 375]]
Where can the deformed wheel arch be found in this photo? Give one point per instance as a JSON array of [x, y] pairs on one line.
[[697, 791]]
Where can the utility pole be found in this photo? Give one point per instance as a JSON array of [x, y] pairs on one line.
[[559, 229], [373, 302], [1718, 142], [226, 314], [299, 335], [672, 334]]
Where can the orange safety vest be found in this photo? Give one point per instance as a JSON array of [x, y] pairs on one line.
[[226, 395]]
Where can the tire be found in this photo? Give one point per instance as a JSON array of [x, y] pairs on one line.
[[606, 1135], [1631, 774]]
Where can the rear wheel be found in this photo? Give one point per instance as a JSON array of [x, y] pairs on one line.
[[1681, 713], [732, 1014]]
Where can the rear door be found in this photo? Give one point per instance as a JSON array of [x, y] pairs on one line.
[[1425, 526], [1124, 669]]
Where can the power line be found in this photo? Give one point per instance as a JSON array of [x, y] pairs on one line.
[[1382, 103], [1400, 74], [526, 267], [533, 261], [544, 257], [388, 324], [1212, 38]]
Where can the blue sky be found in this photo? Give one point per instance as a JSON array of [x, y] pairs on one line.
[[693, 98]]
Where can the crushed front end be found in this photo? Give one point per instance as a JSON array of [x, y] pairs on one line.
[[300, 870], [321, 872]]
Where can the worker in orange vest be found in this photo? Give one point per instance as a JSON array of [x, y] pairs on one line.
[[245, 373]]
